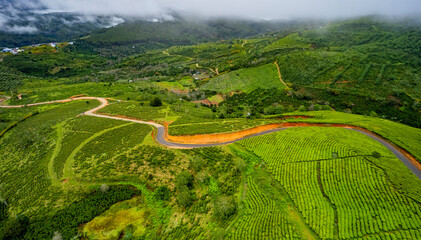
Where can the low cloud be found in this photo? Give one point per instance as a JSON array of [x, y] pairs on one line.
[[114, 21], [25, 16], [5, 26], [22, 29], [29, 17], [261, 9]]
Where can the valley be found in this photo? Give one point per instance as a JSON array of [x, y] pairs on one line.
[[273, 131]]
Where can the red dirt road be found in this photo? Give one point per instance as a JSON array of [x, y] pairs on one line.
[[207, 140]]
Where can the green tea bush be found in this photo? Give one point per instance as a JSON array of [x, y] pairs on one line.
[[155, 102]]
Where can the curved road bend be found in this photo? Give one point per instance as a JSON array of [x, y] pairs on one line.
[[160, 136]]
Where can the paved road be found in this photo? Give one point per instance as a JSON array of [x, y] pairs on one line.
[[161, 131], [395, 151]]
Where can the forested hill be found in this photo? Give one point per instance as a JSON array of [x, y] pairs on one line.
[[138, 36], [184, 31]]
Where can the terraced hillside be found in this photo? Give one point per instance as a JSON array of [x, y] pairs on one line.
[[307, 131]]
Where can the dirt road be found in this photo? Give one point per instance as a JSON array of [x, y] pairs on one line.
[[209, 139], [279, 73]]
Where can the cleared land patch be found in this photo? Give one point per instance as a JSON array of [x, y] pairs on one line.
[[246, 80]]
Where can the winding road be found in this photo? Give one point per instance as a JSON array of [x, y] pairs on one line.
[[162, 134]]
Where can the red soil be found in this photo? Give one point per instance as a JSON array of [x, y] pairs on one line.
[[207, 102], [220, 137], [78, 96], [226, 137]]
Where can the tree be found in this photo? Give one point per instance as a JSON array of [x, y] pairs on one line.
[[156, 102], [196, 163], [224, 207], [162, 193], [57, 236], [3, 210], [184, 183], [376, 154], [184, 179], [14, 228], [104, 187], [185, 197]]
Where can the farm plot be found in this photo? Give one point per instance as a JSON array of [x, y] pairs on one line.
[[133, 109], [24, 156], [184, 127], [408, 138], [74, 132], [365, 201], [246, 80], [341, 187], [92, 156], [263, 218]]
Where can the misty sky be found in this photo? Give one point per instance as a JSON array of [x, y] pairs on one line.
[[162, 9], [260, 9]]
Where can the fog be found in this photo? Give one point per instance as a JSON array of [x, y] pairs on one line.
[[253, 9], [12, 11]]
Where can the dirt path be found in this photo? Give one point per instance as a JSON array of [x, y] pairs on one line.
[[216, 70], [208, 140], [279, 73], [4, 99], [244, 43]]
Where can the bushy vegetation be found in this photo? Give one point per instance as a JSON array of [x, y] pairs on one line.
[[398, 106], [156, 102], [67, 220]]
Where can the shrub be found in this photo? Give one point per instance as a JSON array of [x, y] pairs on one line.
[[184, 179], [279, 109], [373, 114], [14, 228], [162, 193], [196, 164], [185, 197], [301, 108], [376, 154], [224, 207], [156, 102], [241, 165], [104, 187], [269, 110], [3, 210]]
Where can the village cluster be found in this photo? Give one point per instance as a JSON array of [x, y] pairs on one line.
[[18, 50]]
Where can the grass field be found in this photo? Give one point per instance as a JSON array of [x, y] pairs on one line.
[[246, 80], [290, 41]]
